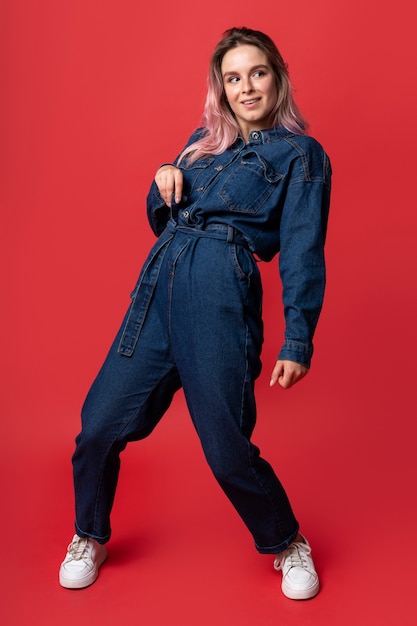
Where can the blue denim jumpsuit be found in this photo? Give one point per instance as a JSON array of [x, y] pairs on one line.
[[195, 322]]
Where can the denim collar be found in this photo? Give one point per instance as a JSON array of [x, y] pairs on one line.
[[267, 135]]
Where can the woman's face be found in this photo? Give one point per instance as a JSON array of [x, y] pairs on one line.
[[250, 87]]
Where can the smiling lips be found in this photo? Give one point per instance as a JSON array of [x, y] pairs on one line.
[[252, 101]]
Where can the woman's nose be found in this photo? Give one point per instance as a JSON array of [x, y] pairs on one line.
[[247, 85]]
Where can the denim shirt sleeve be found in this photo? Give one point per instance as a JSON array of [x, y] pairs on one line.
[[301, 262], [157, 211]]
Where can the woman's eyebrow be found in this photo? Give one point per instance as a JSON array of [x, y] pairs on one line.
[[255, 67]]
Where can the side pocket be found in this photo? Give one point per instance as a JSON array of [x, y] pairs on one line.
[[243, 262]]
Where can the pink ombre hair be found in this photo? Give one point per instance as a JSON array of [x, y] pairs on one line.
[[220, 126]]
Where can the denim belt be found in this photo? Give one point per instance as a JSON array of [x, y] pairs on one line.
[[224, 232]]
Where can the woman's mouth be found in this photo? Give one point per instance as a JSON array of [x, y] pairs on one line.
[[251, 101]]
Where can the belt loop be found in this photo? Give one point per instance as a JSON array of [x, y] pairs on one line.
[[230, 234]]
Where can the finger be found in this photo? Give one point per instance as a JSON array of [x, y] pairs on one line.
[[285, 381], [276, 373], [178, 181], [168, 187]]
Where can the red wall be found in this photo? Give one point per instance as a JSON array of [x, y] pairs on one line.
[[95, 94]]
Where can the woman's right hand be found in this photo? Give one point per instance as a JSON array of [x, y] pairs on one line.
[[169, 180]]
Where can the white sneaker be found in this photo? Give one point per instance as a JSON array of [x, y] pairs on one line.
[[80, 567], [299, 577]]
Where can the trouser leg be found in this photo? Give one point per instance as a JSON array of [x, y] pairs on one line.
[[125, 402], [217, 343]]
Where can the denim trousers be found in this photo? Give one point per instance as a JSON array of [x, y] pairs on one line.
[[202, 332]]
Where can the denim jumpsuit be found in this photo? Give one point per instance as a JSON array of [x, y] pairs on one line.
[[195, 322]]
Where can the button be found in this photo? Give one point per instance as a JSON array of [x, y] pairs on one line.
[[255, 135], [219, 168], [185, 214], [200, 188]]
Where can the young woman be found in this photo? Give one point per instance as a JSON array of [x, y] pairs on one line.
[[249, 184]]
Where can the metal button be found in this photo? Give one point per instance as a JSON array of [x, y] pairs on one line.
[[185, 214], [255, 135], [219, 168]]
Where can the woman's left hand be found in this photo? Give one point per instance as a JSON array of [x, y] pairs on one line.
[[287, 373]]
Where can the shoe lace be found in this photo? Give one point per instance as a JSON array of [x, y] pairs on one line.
[[77, 549], [294, 556]]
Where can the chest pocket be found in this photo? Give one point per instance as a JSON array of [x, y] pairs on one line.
[[250, 184], [193, 174]]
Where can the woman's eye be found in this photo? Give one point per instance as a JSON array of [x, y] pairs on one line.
[[259, 73], [233, 79]]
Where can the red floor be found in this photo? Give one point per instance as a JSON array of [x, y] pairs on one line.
[[179, 554]]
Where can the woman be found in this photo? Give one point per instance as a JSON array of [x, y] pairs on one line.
[[249, 184]]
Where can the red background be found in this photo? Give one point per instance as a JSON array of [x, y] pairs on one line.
[[95, 94]]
